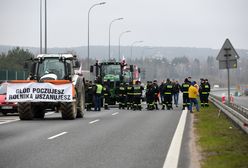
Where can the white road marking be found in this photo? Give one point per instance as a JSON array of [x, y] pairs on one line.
[[55, 136], [172, 157], [115, 113], [9, 121], [49, 113], [92, 122]]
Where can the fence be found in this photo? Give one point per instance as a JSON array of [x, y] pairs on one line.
[[13, 75], [235, 112]]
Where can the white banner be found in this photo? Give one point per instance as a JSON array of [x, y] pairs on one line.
[[39, 92]]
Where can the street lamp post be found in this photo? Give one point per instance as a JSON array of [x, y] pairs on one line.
[[133, 45], [45, 26], [88, 60], [128, 31], [40, 26], [110, 30]]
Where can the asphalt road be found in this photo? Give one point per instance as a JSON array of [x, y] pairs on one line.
[[107, 139]]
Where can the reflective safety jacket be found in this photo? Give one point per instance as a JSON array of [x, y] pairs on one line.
[[168, 89], [106, 91], [99, 89], [137, 90], [122, 91], [130, 90], [185, 88], [205, 89]]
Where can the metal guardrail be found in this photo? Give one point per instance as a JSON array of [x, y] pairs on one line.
[[235, 112]]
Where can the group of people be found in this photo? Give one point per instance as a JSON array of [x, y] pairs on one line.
[[130, 95], [169, 91]]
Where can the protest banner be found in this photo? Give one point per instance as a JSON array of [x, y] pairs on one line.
[[39, 92]]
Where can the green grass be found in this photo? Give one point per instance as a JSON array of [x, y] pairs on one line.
[[222, 145]]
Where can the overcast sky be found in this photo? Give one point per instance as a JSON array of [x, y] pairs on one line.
[[178, 23]]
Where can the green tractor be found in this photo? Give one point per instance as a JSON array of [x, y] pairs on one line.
[[111, 72]]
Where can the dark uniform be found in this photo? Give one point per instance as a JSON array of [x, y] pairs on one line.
[[205, 92], [161, 87], [150, 96], [200, 92], [88, 95], [167, 89], [137, 92], [122, 93], [106, 94], [156, 94], [185, 90], [130, 96]]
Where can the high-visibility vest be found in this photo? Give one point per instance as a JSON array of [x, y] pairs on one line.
[[99, 89], [185, 88]]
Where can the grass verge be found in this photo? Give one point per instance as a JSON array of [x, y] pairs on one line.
[[222, 145]]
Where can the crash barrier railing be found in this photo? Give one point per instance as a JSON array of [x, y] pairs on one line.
[[235, 112]]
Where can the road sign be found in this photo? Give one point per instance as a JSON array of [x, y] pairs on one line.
[[227, 52], [228, 64], [227, 58]]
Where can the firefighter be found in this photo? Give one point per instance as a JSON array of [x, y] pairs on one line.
[[156, 94], [106, 94], [150, 96], [122, 93], [185, 89], [130, 95], [205, 92], [167, 89], [200, 91], [161, 87], [137, 92]]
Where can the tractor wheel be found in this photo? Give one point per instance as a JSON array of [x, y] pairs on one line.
[[81, 104], [25, 111], [68, 110]]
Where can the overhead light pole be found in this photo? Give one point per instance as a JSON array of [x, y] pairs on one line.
[[128, 31], [88, 51], [110, 31], [135, 42], [45, 26], [40, 26]]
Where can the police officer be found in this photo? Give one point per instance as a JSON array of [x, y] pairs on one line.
[[185, 89], [122, 93], [168, 89], [137, 92]]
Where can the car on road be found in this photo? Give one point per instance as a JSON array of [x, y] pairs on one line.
[[216, 86], [6, 107]]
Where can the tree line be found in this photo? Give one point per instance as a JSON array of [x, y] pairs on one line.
[[153, 67]]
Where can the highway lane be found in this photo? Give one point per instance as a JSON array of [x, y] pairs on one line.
[[111, 139]]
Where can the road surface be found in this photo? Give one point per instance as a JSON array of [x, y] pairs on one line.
[[108, 139]]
